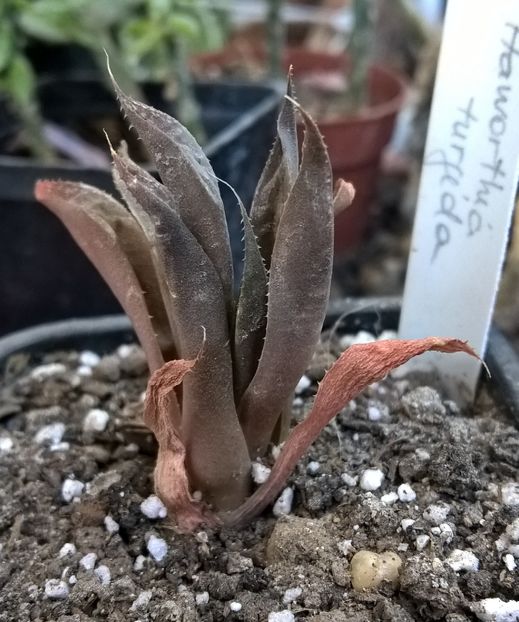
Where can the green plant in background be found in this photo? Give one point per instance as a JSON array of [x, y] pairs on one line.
[[159, 39], [18, 80], [167, 259]]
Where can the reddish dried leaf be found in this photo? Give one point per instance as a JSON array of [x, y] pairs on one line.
[[84, 211], [343, 196], [357, 367], [171, 479]]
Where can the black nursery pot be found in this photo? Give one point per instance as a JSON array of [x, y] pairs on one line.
[[43, 274], [350, 315]]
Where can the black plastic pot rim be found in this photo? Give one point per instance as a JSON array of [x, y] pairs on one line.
[[501, 358]]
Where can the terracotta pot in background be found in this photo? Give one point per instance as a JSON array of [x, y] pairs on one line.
[[355, 142]]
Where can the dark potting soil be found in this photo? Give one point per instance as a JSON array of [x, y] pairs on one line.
[[399, 470]]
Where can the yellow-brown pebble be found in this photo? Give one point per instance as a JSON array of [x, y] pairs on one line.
[[369, 569]]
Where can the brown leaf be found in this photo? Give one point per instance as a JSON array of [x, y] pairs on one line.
[[299, 285], [357, 367], [185, 171], [216, 449], [251, 311], [277, 178], [86, 212], [171, 479]]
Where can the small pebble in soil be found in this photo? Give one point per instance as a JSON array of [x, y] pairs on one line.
[[88, 561], [46, 371], [142, 600], [291, 595], [72, 579], [111, 525], [345, 547], [71, 489], [235, 606], [436, 513], [371, 479], [84, 370], [313, 467], [157, 548], [152, 507], [139, 562], [56, 589], [422, 541], [67, 549], [444, 532], [496, 610], [405, 523], [6, 444], [349, 480], [283, 505], [405, 493], [369, 569], [102, 572], [389, 498], [96, 420], [510, 562], [89, 358], [202, 598], [377, 411], [303, 384], [281, 616], [510, 494], [463, 561], [50, 434], [260, 473]]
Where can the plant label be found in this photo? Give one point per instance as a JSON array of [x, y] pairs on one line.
[[468, 185]]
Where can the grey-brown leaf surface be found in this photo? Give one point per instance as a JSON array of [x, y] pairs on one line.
[[86, 212], [277, 179], [299, 286], [215, 446], [251, 311], [186, 172]]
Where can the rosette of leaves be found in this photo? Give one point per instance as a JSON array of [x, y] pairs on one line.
[[223, 370]]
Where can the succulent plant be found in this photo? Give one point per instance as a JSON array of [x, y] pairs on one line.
[[223, 370]]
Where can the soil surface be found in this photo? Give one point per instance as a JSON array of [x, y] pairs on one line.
[[400, 471]]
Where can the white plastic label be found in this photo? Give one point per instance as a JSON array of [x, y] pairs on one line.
[[468, 184]]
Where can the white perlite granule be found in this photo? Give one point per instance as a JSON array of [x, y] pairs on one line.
[[235, 606], [283, 505], [349, 480], [291, 595], [303, 384], [67, 549], [371, 479], [497, 610], [389, 498], [6, 444], [421, 542], [510, 494], [152, 507], [405, 493], [71, 489], [465, 561], [96, 420], [102, 572], [139, 562], [157, 548], [111, 525], [50, 434], [88, 561], [142, 600], [46, 371], [436, 513], [281, 616], [202, 598], [260, 473], [88, 358], [56, 589]]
